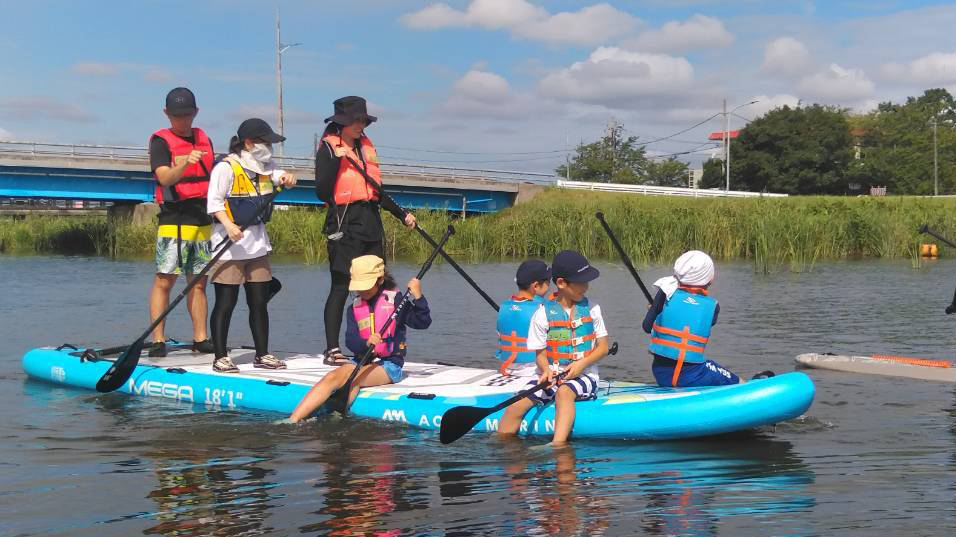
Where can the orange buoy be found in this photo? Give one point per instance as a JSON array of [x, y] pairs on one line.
[[928, 250]]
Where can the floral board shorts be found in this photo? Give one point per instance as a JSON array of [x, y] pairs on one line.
[[185, 251]]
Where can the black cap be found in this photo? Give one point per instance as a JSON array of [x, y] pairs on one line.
[[531, 271], [258, 129], [573, 267], [348, 110], [180, 102]]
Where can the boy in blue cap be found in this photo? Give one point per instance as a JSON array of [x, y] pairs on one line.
[[514, 318], [566, 332]]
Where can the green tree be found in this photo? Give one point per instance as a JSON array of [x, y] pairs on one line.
[[670, 172], [713, 174], [615, 158], [803, 150], [895, 145]]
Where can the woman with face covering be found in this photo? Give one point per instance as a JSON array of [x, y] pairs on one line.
[[345, 163], [238, 187]]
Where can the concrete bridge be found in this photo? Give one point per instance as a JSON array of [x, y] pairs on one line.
[[120, 176]]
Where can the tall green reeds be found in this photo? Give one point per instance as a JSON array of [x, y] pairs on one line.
[[774, 233]]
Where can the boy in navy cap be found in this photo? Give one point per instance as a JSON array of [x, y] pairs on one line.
[[514, 318], [567, 333]]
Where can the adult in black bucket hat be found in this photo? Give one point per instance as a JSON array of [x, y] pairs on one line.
[[347, 179]]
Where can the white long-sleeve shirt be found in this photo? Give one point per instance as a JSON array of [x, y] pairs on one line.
[[255, 241]]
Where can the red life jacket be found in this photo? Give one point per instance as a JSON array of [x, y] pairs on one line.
[[350, 184], [195, 180], [374, 320]]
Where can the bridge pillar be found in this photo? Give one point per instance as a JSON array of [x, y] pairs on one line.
[[527, 192], [138, 214]]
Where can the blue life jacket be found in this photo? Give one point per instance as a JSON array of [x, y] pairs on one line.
[[569, 339], [682, 329], [514, 320]]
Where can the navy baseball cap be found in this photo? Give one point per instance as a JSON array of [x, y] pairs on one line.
[[258, 129], [181, 102], [532, 270], [573, 267]]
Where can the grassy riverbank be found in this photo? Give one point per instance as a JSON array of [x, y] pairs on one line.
[[792, 233]]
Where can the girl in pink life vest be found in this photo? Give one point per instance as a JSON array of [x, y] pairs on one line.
[[375, 300]]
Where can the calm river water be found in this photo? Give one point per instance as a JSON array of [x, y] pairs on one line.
[[873, 456]]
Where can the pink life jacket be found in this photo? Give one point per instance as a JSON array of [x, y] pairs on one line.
[[374, 320]]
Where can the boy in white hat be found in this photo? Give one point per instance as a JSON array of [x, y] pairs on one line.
[[679, 322]]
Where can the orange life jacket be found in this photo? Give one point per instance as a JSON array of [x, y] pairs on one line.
[[195, 180], [350, 184]]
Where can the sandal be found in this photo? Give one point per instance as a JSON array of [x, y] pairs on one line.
[[333, 357]]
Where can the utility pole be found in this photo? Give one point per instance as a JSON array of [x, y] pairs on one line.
[[726, 145], [280, 48], [567, 156], [935, 160]]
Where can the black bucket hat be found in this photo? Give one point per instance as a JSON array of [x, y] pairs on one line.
[[348, 110]]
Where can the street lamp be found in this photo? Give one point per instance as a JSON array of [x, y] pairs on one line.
[[280, 48], [935, 121], [727, 136]]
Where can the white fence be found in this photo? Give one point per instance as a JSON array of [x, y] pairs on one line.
[[650, 190]]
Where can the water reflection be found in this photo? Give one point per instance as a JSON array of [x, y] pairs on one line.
[[197, 495]]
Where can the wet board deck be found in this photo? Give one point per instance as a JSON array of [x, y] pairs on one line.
[[890, 366], [622, 409]]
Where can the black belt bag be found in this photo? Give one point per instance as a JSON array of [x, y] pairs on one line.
[[245, 210]]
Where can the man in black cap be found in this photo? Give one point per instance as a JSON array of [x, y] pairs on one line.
[[514, 318], [569, 336], [181, 158], [348, 179]]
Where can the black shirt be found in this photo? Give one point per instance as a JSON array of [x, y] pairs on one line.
[[191, 212], [362, 220]]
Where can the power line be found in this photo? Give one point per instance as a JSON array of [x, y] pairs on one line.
[[475, 152]]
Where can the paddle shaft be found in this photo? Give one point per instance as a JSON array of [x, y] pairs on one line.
[[342, 394], [624, 257], [382, 194], [926, 229], [129, 359]]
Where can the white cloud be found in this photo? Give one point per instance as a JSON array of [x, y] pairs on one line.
[[766, 103], [157, 74], [269, 113], [5, 134], [40, 107], [483, 94], [94, 69], [935, 68], [698, 32], [589, 25], [836, 85], [618, 78], [787, 56]]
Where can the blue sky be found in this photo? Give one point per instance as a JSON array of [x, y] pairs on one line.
[[491, 77]]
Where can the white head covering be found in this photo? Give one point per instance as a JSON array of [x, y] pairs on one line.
[[691, 268], [694, 268]]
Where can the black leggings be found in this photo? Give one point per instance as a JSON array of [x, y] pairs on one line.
[[335, 308], [257, 294]]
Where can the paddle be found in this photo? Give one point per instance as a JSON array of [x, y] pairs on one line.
[[339, 399], [951, 308], [384, 195], [627, 261], [123, 367], [457, 421]]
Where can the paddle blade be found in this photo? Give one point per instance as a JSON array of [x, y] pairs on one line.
[[457, 421], [122, 369], [338, 401]]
